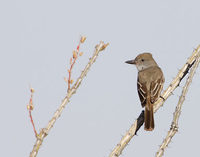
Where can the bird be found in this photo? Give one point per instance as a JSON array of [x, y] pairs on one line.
[[150, 82]]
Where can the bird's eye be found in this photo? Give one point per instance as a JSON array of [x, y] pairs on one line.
[[142, 60]]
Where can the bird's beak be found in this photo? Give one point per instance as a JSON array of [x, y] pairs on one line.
[[130, 62]]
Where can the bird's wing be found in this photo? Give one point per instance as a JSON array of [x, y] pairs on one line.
[[156, 88], [142, 92]]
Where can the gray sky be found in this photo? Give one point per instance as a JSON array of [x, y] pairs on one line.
[[36, 42]]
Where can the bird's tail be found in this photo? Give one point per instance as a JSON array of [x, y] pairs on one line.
[[148, 117]]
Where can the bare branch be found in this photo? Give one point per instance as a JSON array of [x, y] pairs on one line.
[[76, 53], [30, 108], [138, 123], [44, 132], [174, 125]]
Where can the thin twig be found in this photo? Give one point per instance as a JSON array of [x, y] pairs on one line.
[[174, 125], [30, 108], [70, 71], [174, 84], [75, 56], [32, 122], [44, 132]]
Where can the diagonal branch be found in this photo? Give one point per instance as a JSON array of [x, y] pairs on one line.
[[174, 125], [139, 122], [44, 132]]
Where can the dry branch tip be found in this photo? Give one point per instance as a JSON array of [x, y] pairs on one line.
[[30, 107]]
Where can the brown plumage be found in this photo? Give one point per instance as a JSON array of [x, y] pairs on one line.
[[149, 85]]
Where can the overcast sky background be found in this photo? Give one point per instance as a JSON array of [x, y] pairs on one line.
[[36, 42]]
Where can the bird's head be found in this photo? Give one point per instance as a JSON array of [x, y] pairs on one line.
[[143, 61]]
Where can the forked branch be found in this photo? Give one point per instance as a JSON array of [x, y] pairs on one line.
[[44, 132], [174, 125]]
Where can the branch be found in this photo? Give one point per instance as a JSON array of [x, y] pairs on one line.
[[73, 61], [139, 122], [44, 132], [174, 125], [30, 108]]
